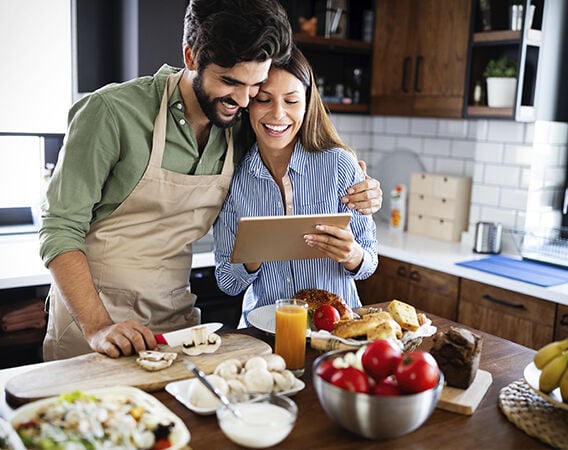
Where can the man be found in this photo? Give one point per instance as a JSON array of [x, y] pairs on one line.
[[143, 173]]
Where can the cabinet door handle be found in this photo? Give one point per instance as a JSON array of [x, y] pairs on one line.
[[419, 60], [503, 302], [401, 271], [564, 319], [405, 64], [415, 276]]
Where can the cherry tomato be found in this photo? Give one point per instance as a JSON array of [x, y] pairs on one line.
[[325, 317], [417, 371], [162, 444], [326, 370], [380, 358], [386, 386], [351, 379]]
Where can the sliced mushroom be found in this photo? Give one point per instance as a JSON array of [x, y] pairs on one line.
[[153, 361], [200, 342]]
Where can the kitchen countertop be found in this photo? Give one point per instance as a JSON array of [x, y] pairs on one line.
[[488, 427], [20, 264]]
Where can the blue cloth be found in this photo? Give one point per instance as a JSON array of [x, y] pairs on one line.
[[319, 180], [522, 270]]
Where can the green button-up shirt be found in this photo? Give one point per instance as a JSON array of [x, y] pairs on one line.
[[106, 151]]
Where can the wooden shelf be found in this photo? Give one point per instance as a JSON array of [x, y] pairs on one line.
[[360, 108], [333, 43], [497, 36], [487, 111]]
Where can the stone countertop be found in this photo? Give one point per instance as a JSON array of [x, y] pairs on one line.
[[20, 264]]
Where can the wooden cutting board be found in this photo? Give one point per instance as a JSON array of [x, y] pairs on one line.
[[466, 401], [93, 371]]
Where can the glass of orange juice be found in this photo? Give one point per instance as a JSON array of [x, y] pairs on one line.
[[291, 325]]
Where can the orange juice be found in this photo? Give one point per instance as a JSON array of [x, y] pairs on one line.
[[291, 323]]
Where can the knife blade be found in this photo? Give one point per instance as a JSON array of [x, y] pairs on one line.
[[178, 337]]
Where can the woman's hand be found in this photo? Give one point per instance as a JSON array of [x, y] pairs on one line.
[[337, 244], [366, 196]]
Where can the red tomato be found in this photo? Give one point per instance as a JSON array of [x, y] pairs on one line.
[[325, 369], [162, 444], [417, 371], [380, 359], [386, 386], [351, 379], [325, 317]]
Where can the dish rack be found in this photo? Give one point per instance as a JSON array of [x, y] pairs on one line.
[[545, 245]]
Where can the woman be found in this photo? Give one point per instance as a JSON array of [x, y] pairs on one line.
[[298, 165]]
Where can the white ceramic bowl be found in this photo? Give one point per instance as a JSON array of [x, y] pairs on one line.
[[374, 416], [265, 419]]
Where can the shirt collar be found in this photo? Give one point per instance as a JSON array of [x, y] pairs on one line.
[[297, 164]]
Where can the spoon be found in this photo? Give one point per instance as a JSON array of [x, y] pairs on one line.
[[202, 377]]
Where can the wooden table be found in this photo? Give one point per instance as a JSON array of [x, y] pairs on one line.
[[487, 428]]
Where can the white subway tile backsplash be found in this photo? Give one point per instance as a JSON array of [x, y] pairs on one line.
[[489, 152], [508, 161], [506, 131], [452, 128], [450, 166], [439, 147], [513, 198], [502, 175], [397, 125], [485, 195], [462, 149], [423, 127], [517, 155], [478, 130], [410, 143]]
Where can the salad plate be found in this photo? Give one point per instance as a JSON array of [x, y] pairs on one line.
[[118, 401], [180, 391], [264, 319], [531, 375]]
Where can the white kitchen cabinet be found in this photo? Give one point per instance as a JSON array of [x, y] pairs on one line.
[[36, 76]]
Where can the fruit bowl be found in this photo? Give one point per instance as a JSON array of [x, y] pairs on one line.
[[531, 375], [374, 416]]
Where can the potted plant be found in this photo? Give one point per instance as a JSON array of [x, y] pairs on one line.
[[501, 76]]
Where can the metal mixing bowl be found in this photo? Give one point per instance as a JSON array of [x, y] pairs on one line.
[[374, 416]]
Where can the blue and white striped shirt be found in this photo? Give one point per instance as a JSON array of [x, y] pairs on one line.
[[319, 180]]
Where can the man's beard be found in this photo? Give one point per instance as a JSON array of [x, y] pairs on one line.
[[209, 106]]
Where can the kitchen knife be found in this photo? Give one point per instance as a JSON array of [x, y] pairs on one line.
[[178, 337]]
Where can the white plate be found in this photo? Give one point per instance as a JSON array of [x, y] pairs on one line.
[[180, 390], [531, 375], [264, 318], [179, 435]]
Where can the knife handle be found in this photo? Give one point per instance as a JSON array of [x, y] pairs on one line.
[[160, 339]]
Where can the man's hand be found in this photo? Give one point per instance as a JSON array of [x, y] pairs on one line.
[[366, 196], [124, 338]]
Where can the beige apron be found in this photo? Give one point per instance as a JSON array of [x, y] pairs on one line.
[[140, 256]]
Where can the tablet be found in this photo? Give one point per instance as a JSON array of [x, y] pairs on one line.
[[280, 238]]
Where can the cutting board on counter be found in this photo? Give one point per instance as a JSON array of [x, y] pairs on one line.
[[466, 401], [93, 371]]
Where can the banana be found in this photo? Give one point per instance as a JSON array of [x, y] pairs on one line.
[[564, 386], [552, 373], [549, 352]]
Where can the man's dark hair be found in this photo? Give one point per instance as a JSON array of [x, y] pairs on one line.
[[226, 32]]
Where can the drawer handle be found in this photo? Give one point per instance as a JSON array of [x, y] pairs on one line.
[[503, 302], [401, 271], [564, 319], [414, 276]]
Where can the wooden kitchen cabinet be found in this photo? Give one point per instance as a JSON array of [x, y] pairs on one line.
[[561, 327], [529, 321], [419, 57], [427, 290]]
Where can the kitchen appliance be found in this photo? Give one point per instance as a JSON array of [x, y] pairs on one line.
[[488, 237]]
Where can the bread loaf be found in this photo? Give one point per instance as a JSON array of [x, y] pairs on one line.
[[318, 297], [404, 314], [457, 352]]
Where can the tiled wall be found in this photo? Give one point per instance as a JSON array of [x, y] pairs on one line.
[[518, 169]]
